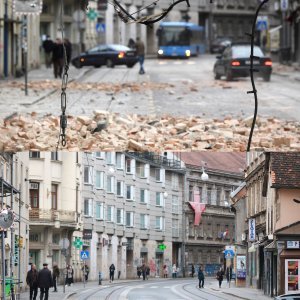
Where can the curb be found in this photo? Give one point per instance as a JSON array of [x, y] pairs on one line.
[[69, 295]]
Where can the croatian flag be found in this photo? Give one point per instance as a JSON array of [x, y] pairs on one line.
[[198, 207]]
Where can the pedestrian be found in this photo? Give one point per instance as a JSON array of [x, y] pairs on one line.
[[32, 281], [86, 271], [48, 45], [69, 275], [147, 272], [144, 271], [45, 282], [220, 275], [201, 277], [229, 274], [58, 58], [112, 269], [140, 51], [55, 275], [131, 43], [138, 271], [174, 271], [68, 47], [165, 271], [193, 271]]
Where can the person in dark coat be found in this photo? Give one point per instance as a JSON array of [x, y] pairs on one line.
[[68, 47], [131, 43], [48, 45], [140, 51], [55, 275], [69, 275], [45, 281], [201, 278], [193, 271], [32, 281], [112, 269], [229, 274], [58, 58], [220, 275]]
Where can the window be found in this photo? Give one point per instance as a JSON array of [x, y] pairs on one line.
[[209, 195], [175, 181], [175, 228], [120, 161], [87, 176], [159, 199], [99, 214], [159, 223], [142, 196], [54, 196], [110, 213], [120, 188], [88, 207], [34, 154], [129, 192], [218, 195], [128, 165], [120, 216], [110, 184], [175, 204], [144, 221], [129, 218], [54, 155], [100, 155], [110, 158], [141, 170], [99, 180], [34, 191], [157, 175]]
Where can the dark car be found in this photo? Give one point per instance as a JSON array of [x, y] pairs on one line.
[[291, 296], [235, 62], [106, 55], [219, 45]]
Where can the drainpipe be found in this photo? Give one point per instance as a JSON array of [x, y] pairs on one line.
[[12, 231], [183, 226], [5, 50], [2, 249]]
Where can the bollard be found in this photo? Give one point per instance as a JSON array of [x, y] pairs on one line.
[[100, 278]]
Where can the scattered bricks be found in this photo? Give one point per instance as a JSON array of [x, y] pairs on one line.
[[135, 146], [84, 120]]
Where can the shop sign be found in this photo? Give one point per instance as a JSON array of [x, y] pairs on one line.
[[87, 234], [293, 244], [251, 230]]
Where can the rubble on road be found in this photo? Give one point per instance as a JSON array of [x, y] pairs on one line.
[[116, 132]]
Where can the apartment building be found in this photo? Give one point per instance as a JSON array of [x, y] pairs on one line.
[[14, 196], [214, 176], [55, 184], [132, 204]]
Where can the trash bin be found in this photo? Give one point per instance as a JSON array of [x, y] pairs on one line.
[[285, 54], [100, 278]]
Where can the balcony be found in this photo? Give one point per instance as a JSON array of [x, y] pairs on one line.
[[155, 159], [51, 215]]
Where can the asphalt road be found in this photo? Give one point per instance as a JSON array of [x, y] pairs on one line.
[[188, 88]]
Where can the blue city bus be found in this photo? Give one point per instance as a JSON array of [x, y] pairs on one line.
[[180, 39]]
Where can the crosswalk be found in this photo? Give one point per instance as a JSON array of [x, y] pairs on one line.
[[177, 62]]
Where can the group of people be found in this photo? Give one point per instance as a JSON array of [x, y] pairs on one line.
[[140, 51], [54, 54], [144, 271]]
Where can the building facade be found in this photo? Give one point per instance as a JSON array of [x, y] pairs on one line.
[[205, 244], [132, 205]]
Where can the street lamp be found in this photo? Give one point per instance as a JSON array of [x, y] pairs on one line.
[[204, 175]]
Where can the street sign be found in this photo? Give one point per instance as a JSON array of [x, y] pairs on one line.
[[100, 27], [87, 234], [229, 254], [262, 23], [284, 5], [64, 243], [84, 255], [78, 243]]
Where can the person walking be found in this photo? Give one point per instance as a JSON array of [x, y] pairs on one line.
[[147, 272], [201, 278], [55, 275], [144, 271], [69, 275], [140, 51], [68, 47], [86, 271], [45, 282], [229, 274], [193, 271], [174, 271], [58, 58], [165, 271], [112, 269], [220, 275], [48, 45], [32, 281]]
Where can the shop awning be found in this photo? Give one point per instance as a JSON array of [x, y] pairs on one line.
[[290, 253]]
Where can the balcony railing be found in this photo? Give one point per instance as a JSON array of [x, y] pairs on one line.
[[51, 215], [156, 159]]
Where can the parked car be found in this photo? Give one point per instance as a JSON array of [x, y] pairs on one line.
[[109, 55], [235, 62], [219, 45], [292, 296]]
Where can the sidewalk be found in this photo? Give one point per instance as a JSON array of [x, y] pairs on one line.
[[292, 72]]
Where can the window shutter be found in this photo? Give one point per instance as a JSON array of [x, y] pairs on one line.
[[147, 172], [133, 167], [90, 209]]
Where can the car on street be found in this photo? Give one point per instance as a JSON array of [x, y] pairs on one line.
[[235, 62], [106, 55], [290, 296], [219, 45]]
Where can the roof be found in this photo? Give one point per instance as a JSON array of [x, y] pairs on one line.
[[285, 169], [232, 162]]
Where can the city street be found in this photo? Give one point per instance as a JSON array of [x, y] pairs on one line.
[[160, 289], [189, 84]]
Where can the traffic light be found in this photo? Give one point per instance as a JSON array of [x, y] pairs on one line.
[[102, 4]]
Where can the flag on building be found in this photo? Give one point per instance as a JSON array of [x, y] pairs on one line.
[[198, 207]]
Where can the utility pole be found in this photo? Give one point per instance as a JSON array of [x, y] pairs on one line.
[[210, 25]]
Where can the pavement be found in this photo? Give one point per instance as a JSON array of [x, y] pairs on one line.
[[242, 293]]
